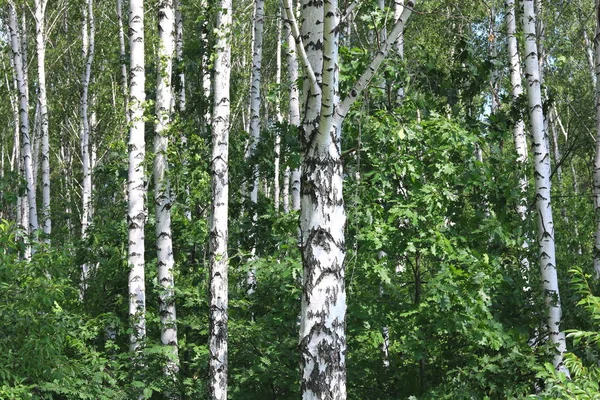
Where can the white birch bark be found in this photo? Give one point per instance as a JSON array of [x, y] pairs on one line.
[[596, 174], [541, 157], [589, 52], [122, 52], [40, 40], [277, 146], [179, 55], [17, 46], [255, 87], [162, 198], [294, 110], [322, 216], [136, 214], [399, 44], [88, 50], [516, 91], [218, 259]]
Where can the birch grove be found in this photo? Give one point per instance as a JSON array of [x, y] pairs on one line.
[[367, 164]]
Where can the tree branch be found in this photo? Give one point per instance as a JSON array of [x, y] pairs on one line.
[[291, 19], [344, 105]]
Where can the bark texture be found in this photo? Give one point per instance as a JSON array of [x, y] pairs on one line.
[[136, 214], [162, 198], [596, 175], [218, 258], [541, 158]]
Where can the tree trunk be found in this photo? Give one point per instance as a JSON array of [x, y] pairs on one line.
[[136, 215], [122, 52], [218, 259], [162, 197], [596, 175], [17, 48], [40, 39], [86, 186], [541, 155], [322, 215], [277, 147]]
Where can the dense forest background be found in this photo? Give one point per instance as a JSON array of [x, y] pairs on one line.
[[444, 291]]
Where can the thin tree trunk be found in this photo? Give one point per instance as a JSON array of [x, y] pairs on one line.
[[277, 147], [88, 50], [20, 68], [179, 54], [40, 39], [294, 110], [218, 259], [596, 175], [399, 45], [122, 52], [136, 215], [162, 198], [547, 257]]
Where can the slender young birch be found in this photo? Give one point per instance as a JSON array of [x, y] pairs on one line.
[[218, 259], [277, 146], [88, 50], [596, 175], [40, 41], [162, 198], [399, 44], [179, 54], [17, 48], [255, 87], [124, 83], [541, 158], [322, 216], [516, 91], [136, 214], [294, 111]]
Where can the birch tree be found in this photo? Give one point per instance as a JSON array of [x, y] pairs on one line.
[[88, 50], [596, 174], [40, 41], [218, 231], [322, 214], [162, 197], [541, 159], [26, 154], [124, 84], [136, 214]]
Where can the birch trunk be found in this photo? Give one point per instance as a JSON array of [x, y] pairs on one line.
[[179, 54], [162, 198], [40, 40], [294, 110], [136, 214], [399, 44], [322, 216], [277, 147], [17, 46], [88, 49], [541, 155], [596, 174], [122, 52], [218, 259], [516, 91]]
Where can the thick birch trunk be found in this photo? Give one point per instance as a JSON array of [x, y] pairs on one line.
[[541, 156], [40, 40], [218, 259], [162, 198], [136, 215], [17, 46], [88, 50], [596, 175]]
